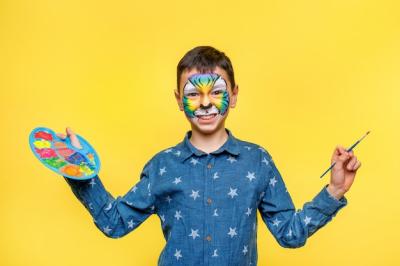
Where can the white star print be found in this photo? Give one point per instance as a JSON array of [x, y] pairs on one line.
[[232, 192], [195, 194], [162, 218], [162, 170], [177, 180], [168, 150], [290, 233], [90, 205], [178, 153], [194, 161], [215, 253], [107, 229], [272, 181], [248, 211], [244, 250], [129, 203], [276, 222], [248, 147], [264, 160], [231, 159], [215, 175], [152, 207], [168, 198], [232, 232], [108, 207], [134, 189], [250, 176], [194, 233], [92, 183], [215, 212], [307, 220], [262, 149], [178, 215], [178, 254], [130, 224]]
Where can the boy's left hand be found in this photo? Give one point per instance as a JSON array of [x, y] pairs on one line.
[[343, 172]]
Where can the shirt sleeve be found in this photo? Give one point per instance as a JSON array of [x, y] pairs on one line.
[[116, 217], [292, 228]]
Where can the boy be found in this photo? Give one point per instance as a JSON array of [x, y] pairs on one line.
[[207, 189]]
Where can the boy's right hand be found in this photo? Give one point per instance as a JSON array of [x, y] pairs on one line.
[[74, 139]]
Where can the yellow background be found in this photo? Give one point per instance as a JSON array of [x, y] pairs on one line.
[[311, 75]]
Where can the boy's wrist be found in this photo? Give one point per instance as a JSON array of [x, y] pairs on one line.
[[337, 193]]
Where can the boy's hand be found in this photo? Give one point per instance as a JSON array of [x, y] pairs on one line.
[[343, 172], [74, 139]]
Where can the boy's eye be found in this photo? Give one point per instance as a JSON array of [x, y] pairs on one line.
[[217, 92], [192, 94]]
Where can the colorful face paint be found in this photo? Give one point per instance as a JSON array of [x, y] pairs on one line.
[[209, 85]]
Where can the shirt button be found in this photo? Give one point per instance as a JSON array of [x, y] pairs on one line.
[[209, 201], [209, 166], [208, 238]]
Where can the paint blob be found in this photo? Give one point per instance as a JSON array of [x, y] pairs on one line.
[[62, 157]]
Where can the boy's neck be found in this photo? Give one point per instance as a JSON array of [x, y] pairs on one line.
[[208, 142]]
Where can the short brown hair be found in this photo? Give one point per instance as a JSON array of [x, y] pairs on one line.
[[205, 59]]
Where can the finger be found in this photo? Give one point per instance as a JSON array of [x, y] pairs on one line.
[[357, 166], [74, 138], [61, 136], [337, 152], [351, 163], [341, 157]]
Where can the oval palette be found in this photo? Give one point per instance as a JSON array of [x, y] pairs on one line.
[[62, 157]]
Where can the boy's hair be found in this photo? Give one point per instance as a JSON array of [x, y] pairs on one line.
[[205, 59]]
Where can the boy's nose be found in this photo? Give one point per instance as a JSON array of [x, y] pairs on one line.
[[205, 106], [205, 102]]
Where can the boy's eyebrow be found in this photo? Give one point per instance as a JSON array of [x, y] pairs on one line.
[[219, 86]]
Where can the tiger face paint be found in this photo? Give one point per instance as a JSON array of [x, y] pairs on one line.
[[205, 96]]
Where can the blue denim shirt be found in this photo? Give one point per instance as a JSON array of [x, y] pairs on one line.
[[207, 204]]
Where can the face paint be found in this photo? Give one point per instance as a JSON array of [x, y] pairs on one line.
[[211, 85]]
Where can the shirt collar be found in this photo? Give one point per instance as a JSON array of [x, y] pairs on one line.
[[231, 145]]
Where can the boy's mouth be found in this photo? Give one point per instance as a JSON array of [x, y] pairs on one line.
[[206, 117]]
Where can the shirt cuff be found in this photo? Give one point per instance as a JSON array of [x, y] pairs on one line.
[[327, 203]]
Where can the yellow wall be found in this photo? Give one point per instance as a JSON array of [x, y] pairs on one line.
[[311, 75]]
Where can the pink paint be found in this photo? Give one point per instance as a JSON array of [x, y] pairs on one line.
[[65, 152], [46, 153]]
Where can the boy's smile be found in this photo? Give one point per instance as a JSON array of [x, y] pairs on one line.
[[205, 98]]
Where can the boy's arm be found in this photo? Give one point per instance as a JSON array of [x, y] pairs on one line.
[[116, 217], [292, 228]]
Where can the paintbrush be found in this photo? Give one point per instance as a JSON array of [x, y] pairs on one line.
[[348, 150]]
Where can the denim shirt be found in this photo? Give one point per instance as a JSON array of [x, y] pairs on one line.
[[207, 203]]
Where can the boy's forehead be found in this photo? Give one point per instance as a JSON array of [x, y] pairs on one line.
[[186, 74]]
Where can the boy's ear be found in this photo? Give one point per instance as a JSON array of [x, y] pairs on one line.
[[178, 99], [233, 100]]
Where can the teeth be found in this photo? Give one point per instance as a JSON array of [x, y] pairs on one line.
[[206, 116]]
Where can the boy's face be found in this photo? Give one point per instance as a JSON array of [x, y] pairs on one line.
[[205, 98]]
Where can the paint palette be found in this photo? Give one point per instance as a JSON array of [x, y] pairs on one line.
[[62, 157]]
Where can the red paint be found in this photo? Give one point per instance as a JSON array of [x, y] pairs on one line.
[[43, 135]]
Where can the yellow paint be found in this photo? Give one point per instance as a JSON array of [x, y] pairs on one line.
[[41, 144], [85, 169]]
